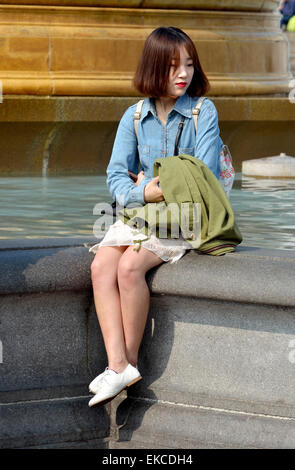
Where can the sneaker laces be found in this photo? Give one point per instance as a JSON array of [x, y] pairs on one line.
[[107, 373], [100, 376]]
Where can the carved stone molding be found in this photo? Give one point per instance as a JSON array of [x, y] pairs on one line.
[[237, 5], [94, 51]]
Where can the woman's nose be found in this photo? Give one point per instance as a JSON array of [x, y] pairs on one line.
[[182, 72]]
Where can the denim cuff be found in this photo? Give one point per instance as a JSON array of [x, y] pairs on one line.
[[136, 195]]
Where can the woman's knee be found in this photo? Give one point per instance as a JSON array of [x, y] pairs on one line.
[[103, 270], [129, 271], [97, 268]]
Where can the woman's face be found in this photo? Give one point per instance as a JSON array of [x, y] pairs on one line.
[[180, 74]]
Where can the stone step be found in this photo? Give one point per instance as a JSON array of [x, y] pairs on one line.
[[217, 357]]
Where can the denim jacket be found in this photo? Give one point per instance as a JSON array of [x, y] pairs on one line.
[[156, 140]]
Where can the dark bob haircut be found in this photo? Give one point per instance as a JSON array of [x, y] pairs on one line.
[[161, 46]]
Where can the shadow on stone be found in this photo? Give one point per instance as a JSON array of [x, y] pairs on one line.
[[127, 410]]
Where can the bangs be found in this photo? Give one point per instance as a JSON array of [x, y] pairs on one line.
[[161, 47]]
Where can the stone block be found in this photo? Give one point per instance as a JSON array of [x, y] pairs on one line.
[[246, 5], [75, 134], [56, 421], [217, 357], [22, 54], [78, 51], [218, 354], [27, 45], [291, 39], [49, 327], [164, 425]]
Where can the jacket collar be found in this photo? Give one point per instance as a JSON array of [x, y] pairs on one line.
[[184, 106]]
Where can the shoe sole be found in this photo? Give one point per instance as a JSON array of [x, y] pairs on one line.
[[117, 393]]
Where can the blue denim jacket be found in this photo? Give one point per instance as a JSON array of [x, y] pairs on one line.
[[156, 140]]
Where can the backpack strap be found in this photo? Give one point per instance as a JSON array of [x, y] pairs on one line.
[[196, 111], [137, 115]]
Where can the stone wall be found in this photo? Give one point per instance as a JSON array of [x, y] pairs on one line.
[[245, 5], [77, 50], [291, 40], [75, 135], [217, 357], [66, 86]]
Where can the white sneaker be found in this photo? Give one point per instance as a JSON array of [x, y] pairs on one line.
[[112, 383], [93, 386]]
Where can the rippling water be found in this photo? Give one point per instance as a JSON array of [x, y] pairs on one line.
[[36, 207], [265, 211]]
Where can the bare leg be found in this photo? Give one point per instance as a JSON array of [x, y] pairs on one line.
[[104, 270], [135, 296]]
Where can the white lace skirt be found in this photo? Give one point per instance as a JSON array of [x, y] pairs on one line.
[[120, 234]]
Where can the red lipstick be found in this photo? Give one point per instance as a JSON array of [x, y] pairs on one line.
[[181, 84]]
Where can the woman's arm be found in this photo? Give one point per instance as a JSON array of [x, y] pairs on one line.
[[124, 158], [208, 142]]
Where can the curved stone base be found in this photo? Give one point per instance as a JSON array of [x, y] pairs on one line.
[[217, 357], [75, 135], [246, 5], [94, 51], [291, 40]]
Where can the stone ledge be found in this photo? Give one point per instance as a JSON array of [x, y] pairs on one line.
[[63, 50], [63, 420], [248, 275], [183, 427], [214, 358], [75, 135], [153, 425], [19, 108], [253, 5], [36, 243]]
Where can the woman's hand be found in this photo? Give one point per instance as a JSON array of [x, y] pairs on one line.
[[140, 177], [152, 192]]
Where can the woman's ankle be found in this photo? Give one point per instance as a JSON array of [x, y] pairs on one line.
[[118, 366], [132, 360]]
